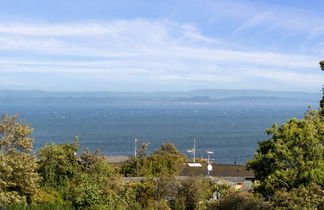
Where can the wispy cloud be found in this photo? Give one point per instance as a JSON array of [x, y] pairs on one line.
[[266, 15], [294, 28], [144, 50], [58, 29], [162, 39]]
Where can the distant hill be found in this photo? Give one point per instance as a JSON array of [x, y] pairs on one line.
[[194, 96]]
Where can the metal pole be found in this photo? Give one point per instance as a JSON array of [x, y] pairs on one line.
[[208, 161], [135, 140], [208, 153], [194, 150]]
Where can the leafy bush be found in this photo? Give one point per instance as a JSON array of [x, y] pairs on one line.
[[234, 200], [311, 197], [47, 195]]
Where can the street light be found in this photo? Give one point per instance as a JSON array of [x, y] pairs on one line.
[[209, 166]]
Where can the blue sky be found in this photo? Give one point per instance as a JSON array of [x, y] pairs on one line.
[[161, 45]]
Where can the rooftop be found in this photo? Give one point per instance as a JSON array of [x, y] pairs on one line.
[[218, 170]]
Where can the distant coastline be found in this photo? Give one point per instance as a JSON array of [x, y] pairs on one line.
[[211, 96]]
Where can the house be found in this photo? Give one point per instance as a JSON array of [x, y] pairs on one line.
[[236, 175]]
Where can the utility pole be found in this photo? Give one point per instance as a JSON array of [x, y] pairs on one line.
[[135, 147], [194, 151]]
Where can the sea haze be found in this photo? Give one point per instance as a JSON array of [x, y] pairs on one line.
[[230, 130]]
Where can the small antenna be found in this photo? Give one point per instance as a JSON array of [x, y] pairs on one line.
[[193, 150]]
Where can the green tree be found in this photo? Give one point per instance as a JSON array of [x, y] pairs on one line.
[[169, 150], [162, 162], [311, 197], [322, 64], [293, 157], [194, 192], [322, 101], [153, 165], [18, 176], [236, 200], [189, 193], [95, 165], [58, 164], [97, 185]]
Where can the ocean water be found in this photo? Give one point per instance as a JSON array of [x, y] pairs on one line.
[[231, 131]]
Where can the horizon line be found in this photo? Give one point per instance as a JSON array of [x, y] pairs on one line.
[[158, 91]]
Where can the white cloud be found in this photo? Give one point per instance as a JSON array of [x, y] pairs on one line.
[[142, 50], [28, 43], [155, 40], [55, 29]]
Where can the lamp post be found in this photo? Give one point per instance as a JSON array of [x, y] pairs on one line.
[[209, 166]]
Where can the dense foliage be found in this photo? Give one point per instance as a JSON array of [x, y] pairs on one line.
[[58, 164], [311, 197], [161, 162], [293, 157], [240, 201], [18, 176]]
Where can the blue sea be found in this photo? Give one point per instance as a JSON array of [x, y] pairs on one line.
[[231, 131]]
